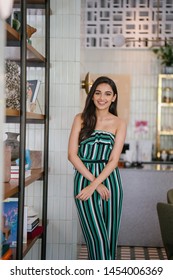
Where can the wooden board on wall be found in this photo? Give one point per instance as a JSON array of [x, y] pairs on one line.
[[123, 84]]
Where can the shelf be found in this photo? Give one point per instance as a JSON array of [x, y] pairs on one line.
[[164, 104], [13, 39], [32, 4], [16, 46], [168, 133], [12, 34], [164, 131], [13, 116], [12, 187], [166, 76], [26, 246]]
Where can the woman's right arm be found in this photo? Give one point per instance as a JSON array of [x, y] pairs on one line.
[[73, 149]]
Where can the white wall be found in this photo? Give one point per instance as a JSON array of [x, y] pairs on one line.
[[64, 104]]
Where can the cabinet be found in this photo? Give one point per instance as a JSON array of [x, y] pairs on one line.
[[29, 57], [164, 137]]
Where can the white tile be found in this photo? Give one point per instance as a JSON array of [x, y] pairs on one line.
[[62, 231], [65, 72], [64, 143], [65, 26], [62, 209], [55, 251], [58, 7], [78, 7], [55, 118], [70, 186], [63, 187], [68, 252], [65, 49], [62, 251], [49, 251], [63, 163], [72, 26], [69, 215], [49, 231], [56, 208], [59, 26]]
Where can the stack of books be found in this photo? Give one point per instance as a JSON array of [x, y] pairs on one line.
[[32, 223], [15, 171]]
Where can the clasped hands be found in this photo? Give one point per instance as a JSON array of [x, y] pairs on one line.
[[88, 191]]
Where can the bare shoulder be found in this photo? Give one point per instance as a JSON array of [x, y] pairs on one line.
[[77, 120], [120, 124], [78, 117]]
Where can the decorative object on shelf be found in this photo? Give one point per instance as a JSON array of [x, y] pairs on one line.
[[7, 163], [167, 95], [32, 92], [165, 55], [141, 128], [36, 159], [12, 85], [33, 88], [27, 159], [16, 23], [164, 155], [13, 142]]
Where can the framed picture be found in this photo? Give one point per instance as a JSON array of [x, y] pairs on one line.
[[32, 90]]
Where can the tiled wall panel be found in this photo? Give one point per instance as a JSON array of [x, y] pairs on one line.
[[138, 21]]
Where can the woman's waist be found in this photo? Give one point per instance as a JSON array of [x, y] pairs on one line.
[[91, 160]]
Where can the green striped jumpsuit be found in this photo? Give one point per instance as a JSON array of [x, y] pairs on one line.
[[99, 219]]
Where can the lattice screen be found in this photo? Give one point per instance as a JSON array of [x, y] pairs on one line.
[[139, 21]]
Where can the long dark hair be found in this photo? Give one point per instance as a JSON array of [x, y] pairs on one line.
[[89, 113]]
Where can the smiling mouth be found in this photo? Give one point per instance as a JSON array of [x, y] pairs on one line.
[[101, 103]]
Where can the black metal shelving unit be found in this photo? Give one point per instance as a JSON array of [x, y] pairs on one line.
[[22, 118]]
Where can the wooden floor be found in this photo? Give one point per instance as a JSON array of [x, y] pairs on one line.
[[132, 253]]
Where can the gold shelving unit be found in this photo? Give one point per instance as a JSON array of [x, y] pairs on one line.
[[164, 135]]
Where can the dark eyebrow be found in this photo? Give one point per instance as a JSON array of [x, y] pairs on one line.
[[107, 91]]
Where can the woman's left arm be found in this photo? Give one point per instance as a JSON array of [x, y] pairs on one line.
[[115, 154]]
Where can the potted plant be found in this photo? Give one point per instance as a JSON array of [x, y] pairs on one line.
[[165, 54]]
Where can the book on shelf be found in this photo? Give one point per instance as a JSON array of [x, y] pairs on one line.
[[32, 223], [10, 218], [35, 232], [15, 174], [7, 255], [15, 166], [33, 89]]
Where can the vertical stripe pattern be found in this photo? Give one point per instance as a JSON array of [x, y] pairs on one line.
[[99, 219]]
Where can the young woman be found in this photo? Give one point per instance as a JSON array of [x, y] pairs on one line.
[[95, 144]]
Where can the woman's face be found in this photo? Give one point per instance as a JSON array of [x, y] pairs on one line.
[[103, 96]]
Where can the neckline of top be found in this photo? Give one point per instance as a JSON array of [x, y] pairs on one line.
[[104, 131]]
